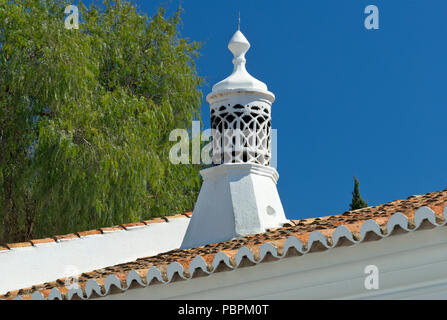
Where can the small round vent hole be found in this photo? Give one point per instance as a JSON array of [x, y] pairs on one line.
[[270, 211]]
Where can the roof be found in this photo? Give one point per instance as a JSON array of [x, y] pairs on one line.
[[298, 237]]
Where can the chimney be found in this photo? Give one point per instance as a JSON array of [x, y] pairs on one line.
[[238, 194]]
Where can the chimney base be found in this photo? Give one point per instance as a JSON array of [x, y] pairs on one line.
[[235, 200]]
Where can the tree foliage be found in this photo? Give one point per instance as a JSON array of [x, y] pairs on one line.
[[357, 201], [85, 117]]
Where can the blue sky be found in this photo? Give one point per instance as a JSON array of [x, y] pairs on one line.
[[350, 101]]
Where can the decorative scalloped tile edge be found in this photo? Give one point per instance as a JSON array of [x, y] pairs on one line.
[[396, 220]]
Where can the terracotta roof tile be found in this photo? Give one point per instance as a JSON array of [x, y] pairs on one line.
[[19, 245], [177, 216], [277, 238], [133, 225], [42, 241], [111, 229], [155, 220], [89, 233], [66, 237]]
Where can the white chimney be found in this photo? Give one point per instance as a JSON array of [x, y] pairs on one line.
[[239, 194]]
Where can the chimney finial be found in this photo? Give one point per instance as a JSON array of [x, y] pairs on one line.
[[239, 24]]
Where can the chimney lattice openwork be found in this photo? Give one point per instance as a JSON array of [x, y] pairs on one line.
[[241, 134]]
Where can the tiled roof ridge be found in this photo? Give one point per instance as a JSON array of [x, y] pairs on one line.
[[297, 238], [93, 232]]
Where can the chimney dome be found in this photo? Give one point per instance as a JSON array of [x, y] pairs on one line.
[[240, 79]]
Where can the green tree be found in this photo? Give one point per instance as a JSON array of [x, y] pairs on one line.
[[357, 201], [85, 117]]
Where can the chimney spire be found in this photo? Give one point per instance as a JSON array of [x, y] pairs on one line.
[[239, 194], [239, 24]]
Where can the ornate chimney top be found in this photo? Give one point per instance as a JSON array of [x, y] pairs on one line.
[[238, 195], [240, 107]]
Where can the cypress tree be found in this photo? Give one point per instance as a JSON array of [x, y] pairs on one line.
[[357, 201]]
